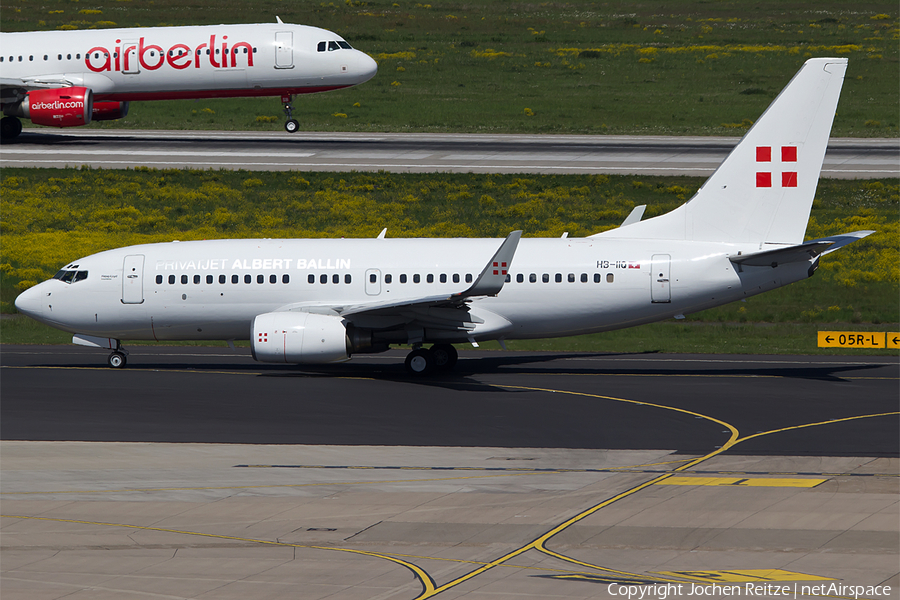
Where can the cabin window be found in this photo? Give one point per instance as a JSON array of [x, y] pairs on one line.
[[520, 278], [443, 278], [171, 279], [248, 278], [388, 278], [196, 279], [403, 278], [348, 278], [323, 278], [335, 278], [558, 278], [545, 278], [456, 278], [468, 278], [429, 278], [45, 57], [68, 57], [235, 279], [584, 278], [596, 277], [285, 278], [571, 278], [373, 278], [532, 278], [416, 278], [609, 278], [311, 278], [159, 279], [508, 278], [321, 47], [184, 279], [273, 278]]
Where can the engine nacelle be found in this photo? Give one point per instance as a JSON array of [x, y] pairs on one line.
[[59, 107], [298, 337], [109, 111]]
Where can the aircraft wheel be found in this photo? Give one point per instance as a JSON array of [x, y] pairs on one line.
[[10, 128], [116, 360], [420, 362], [445, 356], [292, 125]]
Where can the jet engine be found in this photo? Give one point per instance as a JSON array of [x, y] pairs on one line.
[[299, 337], [109, 111], [58, 107]]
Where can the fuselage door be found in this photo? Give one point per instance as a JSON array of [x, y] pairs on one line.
[[373, 282], [284, 50], [659, 278], [130, 63], [133, 279]]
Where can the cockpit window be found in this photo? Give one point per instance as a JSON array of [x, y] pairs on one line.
[[71, 276], [333, 45]]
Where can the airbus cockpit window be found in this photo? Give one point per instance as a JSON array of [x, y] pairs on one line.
[[70, 276], [332, 46]]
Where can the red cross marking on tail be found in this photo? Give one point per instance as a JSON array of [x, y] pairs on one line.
[[764, 178]]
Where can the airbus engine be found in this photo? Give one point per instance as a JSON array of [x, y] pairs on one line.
[[59, 107], [299, 337], [109, 111]]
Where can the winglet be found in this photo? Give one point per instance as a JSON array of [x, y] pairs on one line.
[[492, 278]]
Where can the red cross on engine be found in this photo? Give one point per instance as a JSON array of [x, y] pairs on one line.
[[764, 155]]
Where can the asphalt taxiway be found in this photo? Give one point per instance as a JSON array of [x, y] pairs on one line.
[[196, 472], [853, 158]]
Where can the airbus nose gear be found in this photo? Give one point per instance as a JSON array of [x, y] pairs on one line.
[[291, 125]]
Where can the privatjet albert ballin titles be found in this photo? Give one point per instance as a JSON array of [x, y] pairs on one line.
[[318, 301]]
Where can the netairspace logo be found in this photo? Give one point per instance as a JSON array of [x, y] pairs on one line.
[[56, 105], [661, 591]]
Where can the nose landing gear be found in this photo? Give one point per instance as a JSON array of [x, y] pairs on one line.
[[291, 125]]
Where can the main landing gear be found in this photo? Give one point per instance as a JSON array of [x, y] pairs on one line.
[[291, 125], [118, 357], [10, 128], [437, 359]]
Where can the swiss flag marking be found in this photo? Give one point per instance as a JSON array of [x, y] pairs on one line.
[[788, 178], [499, 271], [263, 337]]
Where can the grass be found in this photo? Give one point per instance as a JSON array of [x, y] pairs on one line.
[[652, 67]]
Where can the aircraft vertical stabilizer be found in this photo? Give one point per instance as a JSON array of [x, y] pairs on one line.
[[764, 189]]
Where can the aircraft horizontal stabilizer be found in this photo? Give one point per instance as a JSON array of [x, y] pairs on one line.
[[799, 253]]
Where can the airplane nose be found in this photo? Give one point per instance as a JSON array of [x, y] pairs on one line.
[[29, 302], [366, 66]]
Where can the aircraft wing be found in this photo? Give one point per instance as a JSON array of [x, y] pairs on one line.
[[445, 311], [14, 90], [488, 283], [800, 252]]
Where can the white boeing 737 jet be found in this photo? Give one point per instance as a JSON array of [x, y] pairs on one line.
[[317, 301], [69, 78]]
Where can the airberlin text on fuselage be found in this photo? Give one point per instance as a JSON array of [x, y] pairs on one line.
[[151, 57], [252, 264]]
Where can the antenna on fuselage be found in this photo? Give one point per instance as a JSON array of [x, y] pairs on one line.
[[280, 22]]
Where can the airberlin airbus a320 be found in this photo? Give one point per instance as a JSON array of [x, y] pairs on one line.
[[70, 78], [317, 301]]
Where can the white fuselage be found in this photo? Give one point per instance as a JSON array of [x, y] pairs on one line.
[[556, 287], [162, 63]]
